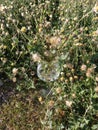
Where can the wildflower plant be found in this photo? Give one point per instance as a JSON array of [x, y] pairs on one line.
[[54, 41]]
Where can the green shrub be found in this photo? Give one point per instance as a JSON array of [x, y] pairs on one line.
[[33, 31]]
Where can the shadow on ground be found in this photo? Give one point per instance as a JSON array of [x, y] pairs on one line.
[[7, 88], [19, 110]]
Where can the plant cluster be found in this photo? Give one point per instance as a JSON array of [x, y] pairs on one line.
[[41, 30]]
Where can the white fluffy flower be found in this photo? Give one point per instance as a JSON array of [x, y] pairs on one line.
[[36, 57], [68, 103], [2, 7], [95, 9], [15, 71]]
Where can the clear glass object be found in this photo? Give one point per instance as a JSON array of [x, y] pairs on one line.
[[48, 70]]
